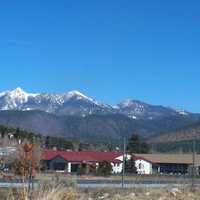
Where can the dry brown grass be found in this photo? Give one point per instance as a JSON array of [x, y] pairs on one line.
[[44, 193], [142, 194], [67, 193]]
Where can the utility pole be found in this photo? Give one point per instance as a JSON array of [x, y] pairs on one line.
[[124, 157], [193, 161]]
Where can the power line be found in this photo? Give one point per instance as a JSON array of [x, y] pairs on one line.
[[193, 161], [123, 167]]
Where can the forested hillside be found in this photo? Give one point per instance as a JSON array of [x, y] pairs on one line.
[[100, 128], [11, 136], [191, 132]]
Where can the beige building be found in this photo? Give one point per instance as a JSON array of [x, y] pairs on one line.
[[168, 163]]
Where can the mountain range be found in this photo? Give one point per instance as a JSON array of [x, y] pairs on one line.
[[74, 115], [74, 103]]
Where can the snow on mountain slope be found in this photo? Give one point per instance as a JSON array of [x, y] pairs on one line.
[[77, 95], [138, 109], [2, 94], [14, 99], [181, 112], [76, 103], [69, 103]]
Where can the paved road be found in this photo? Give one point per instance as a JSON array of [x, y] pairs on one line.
[[80, 183], [131, 184]]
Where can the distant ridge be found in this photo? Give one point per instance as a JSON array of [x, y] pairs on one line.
[[75, 115], [74, 103], [188, 133]]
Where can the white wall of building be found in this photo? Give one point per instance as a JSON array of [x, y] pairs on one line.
[[69, 167], [143, 166], [116, 168]]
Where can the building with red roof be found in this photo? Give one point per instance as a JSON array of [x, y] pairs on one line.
[[70, 161]]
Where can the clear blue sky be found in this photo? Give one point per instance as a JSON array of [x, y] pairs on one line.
[[108, 49]]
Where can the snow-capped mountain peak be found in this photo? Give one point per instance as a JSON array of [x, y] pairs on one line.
[[20, 93], [18, 90], [80, 96], [14, 99], [126, 103], [76, 103], [75, 93], [73, 102]]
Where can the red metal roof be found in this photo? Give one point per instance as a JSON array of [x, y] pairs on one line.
[[82, 156]]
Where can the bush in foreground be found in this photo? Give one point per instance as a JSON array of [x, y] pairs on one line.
[[44, 193]]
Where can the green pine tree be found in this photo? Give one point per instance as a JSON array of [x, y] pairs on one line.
[[137, 145], [130, 166]]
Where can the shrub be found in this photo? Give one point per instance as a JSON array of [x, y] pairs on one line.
[[82, 169], [45, 193], [104, 169]]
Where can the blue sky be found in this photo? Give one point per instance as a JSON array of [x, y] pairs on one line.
[[109, 49]]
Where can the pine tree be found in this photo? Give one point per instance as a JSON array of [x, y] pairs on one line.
[[130, 166], [137, 145]]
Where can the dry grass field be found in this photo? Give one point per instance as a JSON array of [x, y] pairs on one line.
[[63, 193]]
